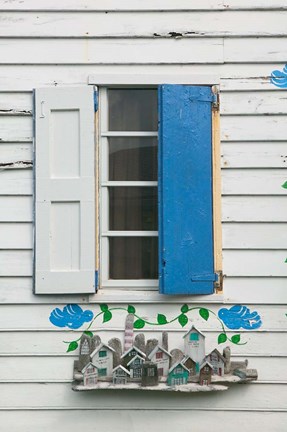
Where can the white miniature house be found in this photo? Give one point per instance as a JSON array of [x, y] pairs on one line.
[[102, 357], [194, 345], [135, 367], [90, 375]]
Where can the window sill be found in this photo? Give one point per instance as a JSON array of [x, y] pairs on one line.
[[152, 296]]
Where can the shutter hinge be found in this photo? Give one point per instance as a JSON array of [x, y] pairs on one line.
[[96, 280], [96, 99], [215, 103], [218, 284]]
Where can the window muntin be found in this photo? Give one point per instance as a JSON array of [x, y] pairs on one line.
[[128, 187]]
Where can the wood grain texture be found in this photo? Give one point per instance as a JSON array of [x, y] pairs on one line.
[[118, 419], [126, 51], [157, 24]]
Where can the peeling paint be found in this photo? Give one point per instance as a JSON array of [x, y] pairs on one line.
[[16, 165]]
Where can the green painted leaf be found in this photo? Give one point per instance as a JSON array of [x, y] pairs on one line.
[[222, 338], [139, 323], [286, 260], [204, 313], [235, 339], [284, 185], [88, 333], [183, 320], [161, 319], [104, 307], [107, 316], [184, 308], [72, 346], [131, 309]]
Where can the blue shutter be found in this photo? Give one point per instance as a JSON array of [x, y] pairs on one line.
[[186, 262]]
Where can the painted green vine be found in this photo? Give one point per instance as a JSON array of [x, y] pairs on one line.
[[140, 322]]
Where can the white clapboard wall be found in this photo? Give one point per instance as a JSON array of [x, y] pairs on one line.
[[61, 43]]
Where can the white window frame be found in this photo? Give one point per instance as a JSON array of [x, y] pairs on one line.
[[113, 290]]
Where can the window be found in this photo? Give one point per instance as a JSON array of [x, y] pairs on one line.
[[103, 354], [128, 187], [134, 239], [193, 337], [159, 355], [102, 372]]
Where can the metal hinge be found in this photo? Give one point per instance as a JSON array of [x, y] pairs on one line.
[[215, 103], [96, 98], [218, 284]]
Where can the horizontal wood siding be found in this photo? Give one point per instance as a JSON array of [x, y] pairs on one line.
[[61, 43]]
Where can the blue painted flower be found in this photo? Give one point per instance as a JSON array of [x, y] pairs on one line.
[[239, 316], [72, 316], [279, 78]]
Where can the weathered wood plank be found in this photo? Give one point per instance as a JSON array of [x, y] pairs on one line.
[[254, 236], [36, 317], [138, 5], [253, 182], [243, 77], [273, 102], [110, 5], [254, 263], [16, 263], [252, 290], [15, 153], [16, 128], [252, 209], [143, 25], [16, 103], [255, 290], [233, 128], [124, 51], [253, 155], [16, 236], [59, 369], [253, 128], [119, 420], [263, 50], [252, 396], [16, 209], [16, 182]]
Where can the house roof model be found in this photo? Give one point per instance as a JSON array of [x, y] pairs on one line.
[[98, 348], [133, 359], [193, 328], [158, 348], [206, 363], [176, 365], [215, 350], [123, 368], [88, 365], [142, 354]]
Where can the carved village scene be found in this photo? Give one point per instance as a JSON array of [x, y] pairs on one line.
[[149, 365]]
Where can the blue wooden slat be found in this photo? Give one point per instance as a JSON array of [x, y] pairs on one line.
[[186, 262]]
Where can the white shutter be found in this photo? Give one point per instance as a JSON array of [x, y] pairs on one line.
[[64, 260]]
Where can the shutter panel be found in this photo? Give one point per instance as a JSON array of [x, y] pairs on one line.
[[64, 237], [186, 261]]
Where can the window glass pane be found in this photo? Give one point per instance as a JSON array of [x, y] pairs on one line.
[[133, 208], [133, 258], [132, 109], [132, 159]]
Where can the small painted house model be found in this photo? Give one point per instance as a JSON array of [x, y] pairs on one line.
[[102, 357], [90, 375], [135, 366], [149, 374], [178, 375], [190, 365], [132, 352], [206, 371], [120, 375], [194, 345], [162, 358], [217, 361]]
